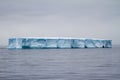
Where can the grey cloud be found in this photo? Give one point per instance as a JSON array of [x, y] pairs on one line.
[[72, 18]]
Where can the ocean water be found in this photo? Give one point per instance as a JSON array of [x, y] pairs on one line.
[[60, 64]]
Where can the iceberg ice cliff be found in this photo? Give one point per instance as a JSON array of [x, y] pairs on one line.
[[38, 42]]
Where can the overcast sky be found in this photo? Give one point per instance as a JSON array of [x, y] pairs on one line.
[[60, 18]]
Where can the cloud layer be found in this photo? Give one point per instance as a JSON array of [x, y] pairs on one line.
[[56, 18]]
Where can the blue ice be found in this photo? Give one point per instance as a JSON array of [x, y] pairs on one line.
[[31, 43]]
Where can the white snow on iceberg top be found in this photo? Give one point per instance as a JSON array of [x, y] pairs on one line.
[[57, 42], [56, 38]]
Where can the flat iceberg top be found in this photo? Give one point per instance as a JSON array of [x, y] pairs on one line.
[[56, 38], [48, 38]]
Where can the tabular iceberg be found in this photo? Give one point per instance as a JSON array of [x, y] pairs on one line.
[[36, 43]]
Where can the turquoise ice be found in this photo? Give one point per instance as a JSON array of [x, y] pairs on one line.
[[41, 43]]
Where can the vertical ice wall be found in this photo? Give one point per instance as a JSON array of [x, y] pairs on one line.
[[51, 43], [28, 43], [78, 43], [15, 43], [64, 43]]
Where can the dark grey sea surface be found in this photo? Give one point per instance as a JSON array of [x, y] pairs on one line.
[[60, 64]]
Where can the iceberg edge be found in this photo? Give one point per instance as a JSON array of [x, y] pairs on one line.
[[59, 43]]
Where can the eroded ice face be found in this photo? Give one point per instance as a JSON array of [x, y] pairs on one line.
[[58, 43]]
